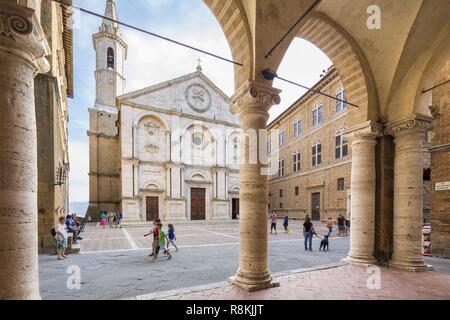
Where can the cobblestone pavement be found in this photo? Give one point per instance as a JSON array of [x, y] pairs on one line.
[[343, 283], [116, 265]]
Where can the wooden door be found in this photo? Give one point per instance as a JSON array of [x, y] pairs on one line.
[[315, 206], [152, 208], [235, 208], [198, 204]]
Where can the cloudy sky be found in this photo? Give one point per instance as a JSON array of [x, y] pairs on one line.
[[151, 61]]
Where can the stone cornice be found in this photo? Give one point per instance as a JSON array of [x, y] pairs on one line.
[[177, 113], [255, 98], [21, 34], [102, 135], [416, 121]]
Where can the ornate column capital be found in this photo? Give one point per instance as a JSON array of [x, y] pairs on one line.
[[418, 122], [368, 130], [254, 97], [22, 35]]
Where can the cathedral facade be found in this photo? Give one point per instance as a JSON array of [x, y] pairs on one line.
[[167, 151]]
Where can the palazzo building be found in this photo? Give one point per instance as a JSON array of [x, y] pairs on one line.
[[52, 90], [167, 151], [312, 157]]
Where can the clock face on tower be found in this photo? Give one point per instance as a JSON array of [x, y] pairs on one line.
[[198, 97]]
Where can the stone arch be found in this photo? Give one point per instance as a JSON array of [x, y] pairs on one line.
[[198, 176], [152, 185], [231, 17], [142, 117], [431, 76], [349, 61]]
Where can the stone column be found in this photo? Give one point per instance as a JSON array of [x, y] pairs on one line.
[[22, 48], [408, 192], [253, 101], [363, 184]]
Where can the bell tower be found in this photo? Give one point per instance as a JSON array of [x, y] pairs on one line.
[[104, 154], [111, 52]]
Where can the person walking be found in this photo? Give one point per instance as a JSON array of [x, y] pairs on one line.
[[103, 220], [161, 245], [307, 233], [330, 226], [286, 224], [273, 225], [172, 237], [155, 233], [119, 217], [341, 225], [111, 219]]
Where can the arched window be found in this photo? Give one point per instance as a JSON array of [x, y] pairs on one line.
[[316, 153], [341, 144], [110, 58], [317, 114], [340, 94]]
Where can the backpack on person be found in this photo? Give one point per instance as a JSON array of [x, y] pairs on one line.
[[53, 232]]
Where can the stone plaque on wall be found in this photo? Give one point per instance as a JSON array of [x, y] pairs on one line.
[[442, 186]]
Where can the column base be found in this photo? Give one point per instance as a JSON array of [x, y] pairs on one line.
[[361, 260], [411, 266], [252, 287]]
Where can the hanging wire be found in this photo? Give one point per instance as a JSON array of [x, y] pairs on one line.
[[267, 73], [149, 33], [270, 75], [311, 8], [436, 86]]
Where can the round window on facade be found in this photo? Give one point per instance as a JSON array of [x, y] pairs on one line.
[[197, 141]]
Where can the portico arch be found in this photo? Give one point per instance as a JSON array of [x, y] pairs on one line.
[[349, 61], [231, 17]]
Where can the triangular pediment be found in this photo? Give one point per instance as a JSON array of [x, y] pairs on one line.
[[133, 95]]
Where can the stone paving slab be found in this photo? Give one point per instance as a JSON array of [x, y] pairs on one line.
[[339, 283], [97, 238]]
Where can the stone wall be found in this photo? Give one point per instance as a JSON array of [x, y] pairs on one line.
[[440, 170]]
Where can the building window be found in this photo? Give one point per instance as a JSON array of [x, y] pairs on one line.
[[341, 95], [298, 128], [297, 191], [269, 147], [281, 193], [281, 168], [297, 161], [110, 58], [281, 205], [341, 145], [340, 184], [316, 154], [318, 115], [282, 138]]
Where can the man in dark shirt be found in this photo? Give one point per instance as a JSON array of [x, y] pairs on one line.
[[341, 225], [307, 226]]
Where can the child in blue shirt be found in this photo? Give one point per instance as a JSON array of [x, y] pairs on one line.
[[172, 237]]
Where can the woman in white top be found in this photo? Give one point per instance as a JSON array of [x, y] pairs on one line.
[[61, 238]]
